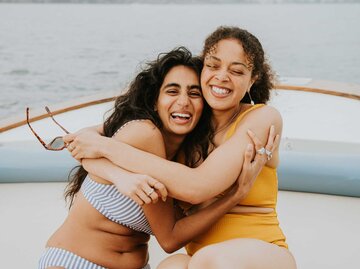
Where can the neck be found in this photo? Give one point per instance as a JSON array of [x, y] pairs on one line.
[[172, 144], [223, 118]]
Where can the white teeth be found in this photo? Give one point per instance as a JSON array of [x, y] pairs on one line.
[[220, 90], [181, 115]]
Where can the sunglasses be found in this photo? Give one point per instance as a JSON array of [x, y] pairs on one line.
[[57, 143]]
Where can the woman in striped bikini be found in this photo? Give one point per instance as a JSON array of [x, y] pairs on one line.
[[162, 113]]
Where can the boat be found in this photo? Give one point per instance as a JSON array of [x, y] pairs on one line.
[[319, 174]]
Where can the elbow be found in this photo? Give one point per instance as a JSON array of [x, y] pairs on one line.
[[191, 195], [198, 196], [169, 246]]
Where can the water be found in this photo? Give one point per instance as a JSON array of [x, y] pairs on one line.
[[58, 52]]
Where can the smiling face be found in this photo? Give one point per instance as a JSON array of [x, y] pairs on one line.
[[180, 101], [226, 76]]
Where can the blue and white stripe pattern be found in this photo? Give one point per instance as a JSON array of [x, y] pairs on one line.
[[63, 258], [115, 205], [57, 257]]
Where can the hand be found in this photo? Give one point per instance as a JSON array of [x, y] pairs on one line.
[[86, 143], [271, 145], [252, 168], [142, 189]]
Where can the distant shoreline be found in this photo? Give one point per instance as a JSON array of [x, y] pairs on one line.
[[183, 1]]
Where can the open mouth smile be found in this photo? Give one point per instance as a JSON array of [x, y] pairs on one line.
[[181, 117], [220, 92]]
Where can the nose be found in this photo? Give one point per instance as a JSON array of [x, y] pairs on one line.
[[222, 75], [183, 100]]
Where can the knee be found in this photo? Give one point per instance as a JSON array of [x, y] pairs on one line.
[[177, 261], [207, 257]]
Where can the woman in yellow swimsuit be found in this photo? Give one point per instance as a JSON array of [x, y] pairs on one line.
[[235, 76]]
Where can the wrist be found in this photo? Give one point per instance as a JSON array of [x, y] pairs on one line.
[[104, 149]]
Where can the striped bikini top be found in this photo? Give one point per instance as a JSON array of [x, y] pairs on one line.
[[114, 205]]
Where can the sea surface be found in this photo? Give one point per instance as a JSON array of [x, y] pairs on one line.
[[50, 53]]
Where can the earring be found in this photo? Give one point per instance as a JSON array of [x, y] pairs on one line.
[[251, 100]]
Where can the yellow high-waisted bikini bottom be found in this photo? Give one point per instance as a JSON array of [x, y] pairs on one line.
[[250, 225]]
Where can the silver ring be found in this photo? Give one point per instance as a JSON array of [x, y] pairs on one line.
[[150, 192], [261, 151], [269, 154]]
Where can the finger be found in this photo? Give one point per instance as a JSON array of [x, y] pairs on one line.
[[160, 188], [71, 147], [276, 143], [150, 192], [76, 155], [271, 138], [248, 155], [254, 139], [143, 196], [154, 197], [260, 158], [246, 164], [69, 138], [137, 199]]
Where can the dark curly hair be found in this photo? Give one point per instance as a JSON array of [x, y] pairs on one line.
[[261, 69], [139, 102]]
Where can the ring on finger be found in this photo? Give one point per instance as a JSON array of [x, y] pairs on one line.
[[269, 154], [150, 192], [71, 148], [261, 151]]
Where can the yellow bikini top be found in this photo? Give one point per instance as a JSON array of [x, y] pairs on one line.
[[265, 188]]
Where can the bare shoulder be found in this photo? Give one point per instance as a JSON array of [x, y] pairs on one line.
[[265, 115], [143, 135], [259, 121]]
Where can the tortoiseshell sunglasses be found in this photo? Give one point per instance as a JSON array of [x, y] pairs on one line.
[[57, 143]]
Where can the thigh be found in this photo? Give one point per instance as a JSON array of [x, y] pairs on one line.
[[176, 261], [243, 253]]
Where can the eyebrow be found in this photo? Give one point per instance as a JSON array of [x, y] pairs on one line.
[[233, 63], [173, 84], [194, 86]]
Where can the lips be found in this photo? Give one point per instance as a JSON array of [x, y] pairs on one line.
[[219, 91], [181, 117]]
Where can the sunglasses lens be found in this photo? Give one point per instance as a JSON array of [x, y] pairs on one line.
[[57, 143]]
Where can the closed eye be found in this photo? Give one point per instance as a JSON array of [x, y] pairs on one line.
[[172, 91], [195, 93], [237, 72]]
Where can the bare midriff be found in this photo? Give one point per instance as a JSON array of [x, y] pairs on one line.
[[92, 236]]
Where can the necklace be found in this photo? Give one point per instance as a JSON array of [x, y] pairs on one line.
[[230, 121]]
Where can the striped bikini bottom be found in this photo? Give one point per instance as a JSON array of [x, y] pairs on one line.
[[63, 258]]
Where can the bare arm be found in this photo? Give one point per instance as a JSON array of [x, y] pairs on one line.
[[133, 185], [173, 234], [195, 185]]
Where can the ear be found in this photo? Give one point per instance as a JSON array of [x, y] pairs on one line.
[[155, 107], [252, 81]]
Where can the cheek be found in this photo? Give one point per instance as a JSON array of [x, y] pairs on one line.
[[205, 75], [198, 107]]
